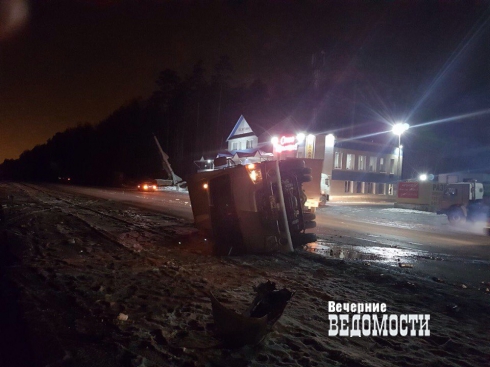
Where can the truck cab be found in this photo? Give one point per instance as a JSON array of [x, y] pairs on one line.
[[324, 188], [462, 201]]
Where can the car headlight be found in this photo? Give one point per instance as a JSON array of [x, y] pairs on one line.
[[145, 187], [154, 187]]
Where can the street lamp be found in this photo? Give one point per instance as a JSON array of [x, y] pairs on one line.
[[398, 129]]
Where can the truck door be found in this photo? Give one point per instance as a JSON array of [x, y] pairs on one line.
[[224, 218]]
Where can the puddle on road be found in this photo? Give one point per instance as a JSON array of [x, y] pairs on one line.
[[451, 269], [364, 253]]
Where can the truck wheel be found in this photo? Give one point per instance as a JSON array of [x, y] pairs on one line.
[[456, 216], [306, 171], [309, 216], [292, 164], [301, 171], [304, 178], [302, 239], [310, 224]]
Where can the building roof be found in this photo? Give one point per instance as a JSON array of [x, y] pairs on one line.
[[242, 153], [289, 126], [242, 129]]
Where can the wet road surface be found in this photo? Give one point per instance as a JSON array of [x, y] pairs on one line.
[[404, 240], [378, 234]]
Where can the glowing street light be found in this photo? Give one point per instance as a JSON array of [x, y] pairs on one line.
[[398, 129], [423, 177]]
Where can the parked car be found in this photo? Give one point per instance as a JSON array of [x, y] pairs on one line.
[[150, 185]]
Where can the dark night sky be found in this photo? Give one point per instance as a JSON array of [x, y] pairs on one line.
[[65, 62]]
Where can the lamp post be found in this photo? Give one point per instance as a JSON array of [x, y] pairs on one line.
[[398, 129]]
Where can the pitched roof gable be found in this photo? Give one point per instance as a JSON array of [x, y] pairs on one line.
[[241, 128]]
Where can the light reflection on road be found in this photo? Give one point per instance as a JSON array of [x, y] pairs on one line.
[[382, 254], [418, 229]]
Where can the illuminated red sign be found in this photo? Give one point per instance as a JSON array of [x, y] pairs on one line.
[[286, 143], [408, 190], [287, 140]]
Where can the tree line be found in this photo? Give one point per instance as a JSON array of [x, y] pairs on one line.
[[190, 115]]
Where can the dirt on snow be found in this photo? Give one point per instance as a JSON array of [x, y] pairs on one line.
[[91, 282]]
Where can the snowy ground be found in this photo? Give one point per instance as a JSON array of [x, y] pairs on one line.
[[73, 268]]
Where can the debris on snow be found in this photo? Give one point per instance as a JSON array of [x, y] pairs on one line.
[[251, 326]]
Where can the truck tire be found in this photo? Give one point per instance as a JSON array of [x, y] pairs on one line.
[[302, 239], [304, 178], [310, 224], [301, 171], [306, 171], [292, 164], [456, 216], [309, 216], [310, 210]]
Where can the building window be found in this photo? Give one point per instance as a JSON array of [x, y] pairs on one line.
[[380, 190], [390, 188], [350, 161], [361, 165], [370, 187], [392, 166], [234, 146], [372, 164], [382, 165], [249, 144], [359, 188], [348, 185], [338, 160]]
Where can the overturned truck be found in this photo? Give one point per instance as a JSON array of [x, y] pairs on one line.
[[255, 208]]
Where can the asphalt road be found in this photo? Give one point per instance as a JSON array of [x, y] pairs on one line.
[[420, 243], [395, 239], [416, 230], [175, 203]]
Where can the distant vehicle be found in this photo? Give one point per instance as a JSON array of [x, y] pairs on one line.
[[65, 180], [317, 190], [150, 185], [464, 201]]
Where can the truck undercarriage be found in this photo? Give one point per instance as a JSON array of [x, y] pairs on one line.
[[257, 208]]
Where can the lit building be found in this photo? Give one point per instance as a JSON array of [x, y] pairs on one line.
[[243, 148], [364, 168], [355, 169]]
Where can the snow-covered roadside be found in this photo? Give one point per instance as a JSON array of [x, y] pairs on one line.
[[82, 265]]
